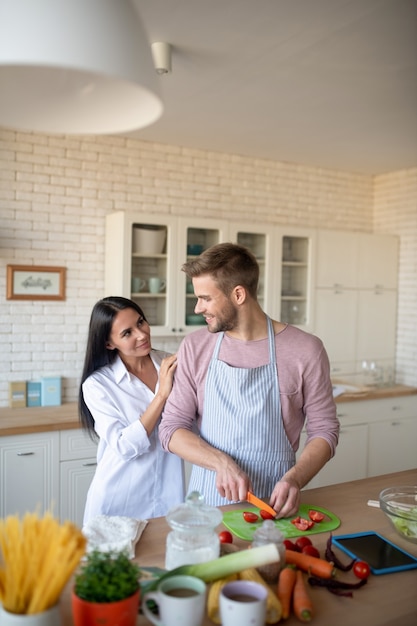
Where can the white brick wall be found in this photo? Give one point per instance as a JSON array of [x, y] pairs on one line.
[[396, 212], [56, 191]]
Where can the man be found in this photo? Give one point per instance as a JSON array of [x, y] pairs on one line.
[[243, 388]]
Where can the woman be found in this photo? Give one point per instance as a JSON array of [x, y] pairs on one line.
[[123, 390]]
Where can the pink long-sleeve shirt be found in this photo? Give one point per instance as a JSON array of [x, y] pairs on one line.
[[303, 373]]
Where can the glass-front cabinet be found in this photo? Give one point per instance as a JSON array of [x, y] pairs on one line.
[[143, 262], [296, 280], [260, 241]]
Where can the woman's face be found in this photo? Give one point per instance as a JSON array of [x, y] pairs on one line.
[[130, 334]]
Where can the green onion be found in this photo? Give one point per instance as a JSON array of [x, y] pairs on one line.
[[222, 566]]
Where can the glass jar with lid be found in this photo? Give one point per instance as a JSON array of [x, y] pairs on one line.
[[193, 538], [269, 533]]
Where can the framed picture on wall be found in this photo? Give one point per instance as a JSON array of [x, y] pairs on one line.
[[33, 282]]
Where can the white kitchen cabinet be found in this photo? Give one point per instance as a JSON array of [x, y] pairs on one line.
[[336, 259], [377, 261], [356, 298], [376, 325], [376, 437], [77, 466], [350, 460], [129, 256], [294, 293], [29, 473], [393, 439], [261, 240], [335, 324]]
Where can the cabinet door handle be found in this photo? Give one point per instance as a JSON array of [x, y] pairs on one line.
[[396, 407], [25, 453], [395, 423], [89, 464]]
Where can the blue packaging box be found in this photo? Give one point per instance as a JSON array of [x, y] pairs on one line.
[[33, 393], [51, 391]]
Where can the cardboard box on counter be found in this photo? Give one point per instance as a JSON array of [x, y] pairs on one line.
[[51, 391], [17, 394], [34, 393]]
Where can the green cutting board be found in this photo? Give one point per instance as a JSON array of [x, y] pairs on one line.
[[233, 520]]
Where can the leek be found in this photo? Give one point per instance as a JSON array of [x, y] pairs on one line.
[[219, 568]]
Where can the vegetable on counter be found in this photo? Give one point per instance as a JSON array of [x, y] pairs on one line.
[[213, 597], [222, 566], [273, 604], [250, 517], [302, 604], [338, 587], [361, 569], [225, 536], [310, 564], [286, 582], [332, 558]]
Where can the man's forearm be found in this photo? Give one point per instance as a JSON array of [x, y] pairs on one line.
[[314, 456], [193, 449]]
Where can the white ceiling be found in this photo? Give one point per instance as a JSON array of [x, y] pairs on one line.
[[328, 83]]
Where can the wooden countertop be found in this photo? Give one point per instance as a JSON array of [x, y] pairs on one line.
[[377, 393], [38, 419], [386, 600], [65, 416]]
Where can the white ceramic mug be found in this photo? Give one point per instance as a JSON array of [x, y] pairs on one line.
[[156, 284], [137, 284], [243, 603], [181, 601]]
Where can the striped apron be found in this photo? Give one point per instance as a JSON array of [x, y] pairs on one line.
[[242, 417]]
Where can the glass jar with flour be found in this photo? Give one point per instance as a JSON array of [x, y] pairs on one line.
[[193, 538]]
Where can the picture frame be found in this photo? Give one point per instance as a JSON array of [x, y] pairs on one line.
[[35, 282]]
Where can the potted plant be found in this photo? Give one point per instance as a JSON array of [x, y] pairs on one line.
[[106, 590]]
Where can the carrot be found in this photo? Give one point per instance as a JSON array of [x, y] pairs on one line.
[[311, 564], [302, 604], [286, 582]]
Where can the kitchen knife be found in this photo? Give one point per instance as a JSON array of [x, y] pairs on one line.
[[250, 497]]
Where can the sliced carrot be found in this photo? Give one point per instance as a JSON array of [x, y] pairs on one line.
[[286, 582], [302, 604], [310, 564]]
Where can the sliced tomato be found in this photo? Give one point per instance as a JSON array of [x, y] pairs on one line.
[[301, 542], [250, 517], [295, 520], [302, 524], [266, 514], [316, 516], [225, 537]]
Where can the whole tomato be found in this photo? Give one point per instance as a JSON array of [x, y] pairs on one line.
[[311, 550], [302, 541], [225, 537], [361, 569]]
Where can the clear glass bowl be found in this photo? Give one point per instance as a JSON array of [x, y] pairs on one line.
[[400, 506]]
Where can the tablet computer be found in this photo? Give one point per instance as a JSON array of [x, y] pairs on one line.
[[383, 556]]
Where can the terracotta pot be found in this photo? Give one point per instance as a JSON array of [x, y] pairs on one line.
[[120, 613]]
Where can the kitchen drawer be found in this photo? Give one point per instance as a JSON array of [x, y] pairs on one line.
[[76, 444], [371, 411]]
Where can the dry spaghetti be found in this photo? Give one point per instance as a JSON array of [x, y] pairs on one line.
[[37, 558]]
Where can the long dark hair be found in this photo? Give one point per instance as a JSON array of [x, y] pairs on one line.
[[97, 354]]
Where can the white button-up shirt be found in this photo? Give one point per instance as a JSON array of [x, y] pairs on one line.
[[134, 476]]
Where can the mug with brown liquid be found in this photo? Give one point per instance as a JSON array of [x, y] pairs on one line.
[[181, 601], [243, 603]]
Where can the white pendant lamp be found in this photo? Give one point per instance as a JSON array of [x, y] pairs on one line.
[[75, 67]]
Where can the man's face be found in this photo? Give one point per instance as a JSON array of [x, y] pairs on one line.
[[218, 310]]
